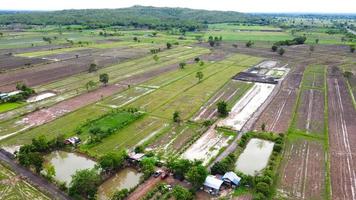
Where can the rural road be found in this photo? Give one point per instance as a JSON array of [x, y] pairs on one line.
[[41, 183]]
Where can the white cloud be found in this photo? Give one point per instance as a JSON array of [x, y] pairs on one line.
[[324, 6]]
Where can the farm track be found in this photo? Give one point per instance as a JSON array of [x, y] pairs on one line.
[[342, 121]]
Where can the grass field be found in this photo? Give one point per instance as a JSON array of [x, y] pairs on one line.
[[179, 88], [9, 106], [13, 187]]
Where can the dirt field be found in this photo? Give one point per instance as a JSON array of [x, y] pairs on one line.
[[207, 146], [342, 126], [302, 173], [42, 74], [230, 93], [8, 62], [311, 112], [46, 115]]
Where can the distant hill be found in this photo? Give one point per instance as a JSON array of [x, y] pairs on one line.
[[138, 16]]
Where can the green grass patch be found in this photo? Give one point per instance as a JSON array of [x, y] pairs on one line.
[[4, 107]]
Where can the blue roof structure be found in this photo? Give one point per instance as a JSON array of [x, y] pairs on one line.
[[232, 177]]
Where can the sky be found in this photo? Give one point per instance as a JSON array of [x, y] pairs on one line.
[[265, 6]]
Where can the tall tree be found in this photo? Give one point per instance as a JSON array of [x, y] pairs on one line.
[[92, 68], [84, 183], [281, 51], [104, 79], [89, 85], [222, 109], [176, 117], [199, 75], [182, 65], [197, 175]]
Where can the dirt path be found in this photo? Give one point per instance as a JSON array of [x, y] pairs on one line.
[[144, 188], [342, 126], [42, 184]]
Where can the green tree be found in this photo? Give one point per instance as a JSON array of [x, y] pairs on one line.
[[281, 51], [112, 160], [139, 149], [201, 63], [197, 175], [40, 144], [263, 127], [352, 48], [182, 65], [89, 85], [36, 161], [199, 75], [348, 74], [197, 59], [120, 195], [104, 79], [179, 167], [249, 44], [274, 48], [263, 188], [176, 117], [92, 68], [50, 171], [84, 183], [169, 45], [148, 166], [222, 108], [155, 58], [181, 193], [317, 41]]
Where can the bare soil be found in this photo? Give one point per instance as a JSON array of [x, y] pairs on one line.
[[57, 70], [311, 112], [302, 174], [342, 137], [8, 62]]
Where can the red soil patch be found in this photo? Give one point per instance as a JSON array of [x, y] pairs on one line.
[[342, 138]]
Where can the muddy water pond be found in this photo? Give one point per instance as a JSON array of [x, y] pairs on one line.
[[66, 164], [126, 178], [255, 156]]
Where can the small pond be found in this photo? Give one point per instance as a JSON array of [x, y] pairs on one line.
[[255, 156], [126, 178], [66, 164]]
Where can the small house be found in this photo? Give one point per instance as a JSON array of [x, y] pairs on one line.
[[72, 141], [212, 184], [136, 157], [231, 178]]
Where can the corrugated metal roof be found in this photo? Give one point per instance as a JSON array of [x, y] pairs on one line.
[[232, 177], [213, 182]]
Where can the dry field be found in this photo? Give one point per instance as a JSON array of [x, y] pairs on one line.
[[342, 126], [302, 174]]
